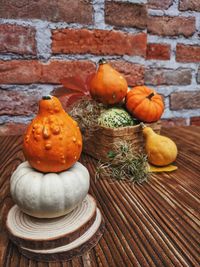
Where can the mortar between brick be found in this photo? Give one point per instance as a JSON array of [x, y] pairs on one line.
[[16, 119], [44, 51], [172, 64]]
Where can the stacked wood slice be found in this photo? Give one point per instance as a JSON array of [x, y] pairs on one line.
[[59, 238]]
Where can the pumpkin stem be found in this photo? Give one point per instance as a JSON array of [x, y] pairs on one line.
[[46, 97], [151, 95], [102, 61]]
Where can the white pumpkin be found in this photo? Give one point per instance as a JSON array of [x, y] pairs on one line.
[[49, 195]]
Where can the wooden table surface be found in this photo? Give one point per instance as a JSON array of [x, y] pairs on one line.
[[153, 224]]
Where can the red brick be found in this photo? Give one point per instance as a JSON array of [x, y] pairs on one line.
[[158, 51], [15, 102], [56, 70], [17, 39], [53, 71], [99, 42], [185, 100], [33, 71], [12, 128], [159, 4], [80, 11], [126, 14], [193, 5], [134, 73], [20, 71], [195, 121], [156, 76], [187, 53], [171, 26], [174, 122]]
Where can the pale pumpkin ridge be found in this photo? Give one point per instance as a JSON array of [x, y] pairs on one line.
[[14, 183], [32, 200], [23, 192], [36, 180], [18, 170]]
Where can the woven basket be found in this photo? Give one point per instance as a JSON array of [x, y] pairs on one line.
[[104, 140]]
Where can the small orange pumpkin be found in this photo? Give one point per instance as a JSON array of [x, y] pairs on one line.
[[108, 86], [144, 104], [52, 142]]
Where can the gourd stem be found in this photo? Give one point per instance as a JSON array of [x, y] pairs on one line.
[[142, 125], [102, 61], [46, 97], [151, 95]]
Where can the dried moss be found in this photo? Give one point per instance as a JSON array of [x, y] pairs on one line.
[[124, 164], [86, 112]]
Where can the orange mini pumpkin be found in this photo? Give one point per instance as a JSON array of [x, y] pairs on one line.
[[108, 86], [52, 142], [144, 104]]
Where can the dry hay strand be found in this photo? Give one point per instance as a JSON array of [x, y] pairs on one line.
[[86, 113], [124, 164]]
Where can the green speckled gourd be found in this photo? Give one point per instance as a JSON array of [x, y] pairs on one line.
[[115, 118]]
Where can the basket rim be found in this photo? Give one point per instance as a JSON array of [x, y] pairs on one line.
[[129, 127]]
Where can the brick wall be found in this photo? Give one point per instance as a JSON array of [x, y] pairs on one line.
[[154, 42], [173, 57]]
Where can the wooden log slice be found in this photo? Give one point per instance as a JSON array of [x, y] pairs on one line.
[[74, 249], [35, 233]]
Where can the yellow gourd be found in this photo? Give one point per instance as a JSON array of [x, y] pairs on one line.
[[161, 150]]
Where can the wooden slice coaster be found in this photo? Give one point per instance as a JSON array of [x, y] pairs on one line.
[[74, 249], [38, 234]]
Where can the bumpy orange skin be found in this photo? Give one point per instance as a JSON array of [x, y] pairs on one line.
[[52, 142], [144, 104], [108, 86]]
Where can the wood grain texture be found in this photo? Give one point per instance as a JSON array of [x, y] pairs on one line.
[[33, 233], [59, 254], [153, 224]]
